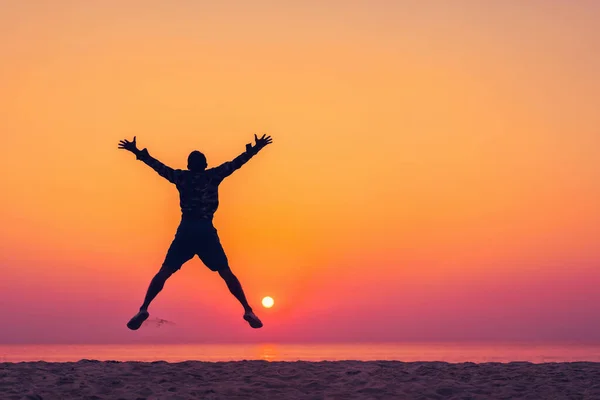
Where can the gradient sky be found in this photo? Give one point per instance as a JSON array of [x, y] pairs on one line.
[[434, 173]]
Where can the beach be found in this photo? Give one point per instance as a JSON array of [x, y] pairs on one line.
[[88, 379]]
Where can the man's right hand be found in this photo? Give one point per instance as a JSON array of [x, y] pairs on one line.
[[262, 142], [130, 146]]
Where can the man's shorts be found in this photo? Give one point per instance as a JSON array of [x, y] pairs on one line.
[[196, 237]]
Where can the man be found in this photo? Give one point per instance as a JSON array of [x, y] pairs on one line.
[[196, 235]]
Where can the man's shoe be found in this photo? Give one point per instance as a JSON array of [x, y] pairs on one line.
[[253, 320], [137, 321]]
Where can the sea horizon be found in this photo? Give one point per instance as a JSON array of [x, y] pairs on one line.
[[450, 352]]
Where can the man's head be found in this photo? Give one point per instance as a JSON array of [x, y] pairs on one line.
[[197, 161]]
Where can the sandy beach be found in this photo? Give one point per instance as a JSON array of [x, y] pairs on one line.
[[298, 380]]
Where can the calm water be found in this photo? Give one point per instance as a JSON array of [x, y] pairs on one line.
[[306, 352]]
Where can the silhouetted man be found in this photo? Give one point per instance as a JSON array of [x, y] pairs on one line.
[[196, 235]]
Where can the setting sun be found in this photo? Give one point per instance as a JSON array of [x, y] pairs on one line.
[[268, 302]]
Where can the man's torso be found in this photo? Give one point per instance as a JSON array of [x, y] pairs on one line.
[[198, 194]]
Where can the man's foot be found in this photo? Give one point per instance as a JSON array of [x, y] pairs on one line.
[[137, 321], [253, 320]]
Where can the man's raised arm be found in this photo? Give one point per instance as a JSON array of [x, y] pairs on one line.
[[165, 171], [226, 169]]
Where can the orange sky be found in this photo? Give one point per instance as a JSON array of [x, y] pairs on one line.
[[434, 173]]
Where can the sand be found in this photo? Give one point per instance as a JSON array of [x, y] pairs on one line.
[[298, 380]]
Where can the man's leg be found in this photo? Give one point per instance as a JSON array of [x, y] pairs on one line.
[[213, 256], [179, 253], [156, 285], [235, 287]]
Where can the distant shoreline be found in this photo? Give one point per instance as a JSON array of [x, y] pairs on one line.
[[297, 379], [407, 352], [491, 363]]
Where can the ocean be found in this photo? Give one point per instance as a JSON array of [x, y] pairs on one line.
[[447, 352]]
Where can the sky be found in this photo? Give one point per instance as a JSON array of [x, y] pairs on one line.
[[433, 174]]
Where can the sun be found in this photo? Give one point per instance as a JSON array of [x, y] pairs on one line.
[[268, 302]]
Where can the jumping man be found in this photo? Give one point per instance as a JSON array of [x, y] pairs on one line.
[[196, 235]]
